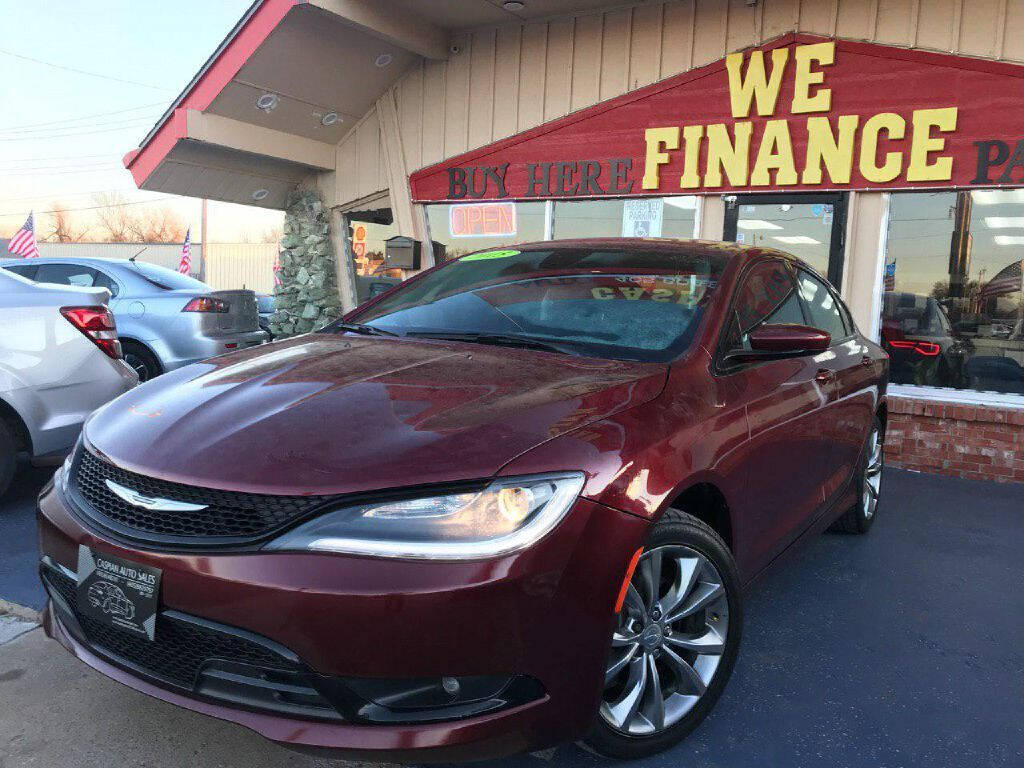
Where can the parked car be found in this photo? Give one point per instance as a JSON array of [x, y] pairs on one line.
[[513, 501], [923, 346], [266, 306], [59, 360], [166, 319]]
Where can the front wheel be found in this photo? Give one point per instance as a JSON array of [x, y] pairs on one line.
[[675, 641], [141, 360]]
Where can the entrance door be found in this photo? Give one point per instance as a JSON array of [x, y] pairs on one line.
[[809, 226]]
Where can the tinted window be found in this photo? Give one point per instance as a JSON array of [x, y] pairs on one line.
[[67, 274], [25, 270], [168, 279], [766, 296], [821, 306], [632, 304], [103, 280]]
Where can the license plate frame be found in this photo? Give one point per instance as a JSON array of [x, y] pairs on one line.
[[118, 593]]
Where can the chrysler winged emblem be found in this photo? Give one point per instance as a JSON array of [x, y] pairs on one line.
[[137, 499]]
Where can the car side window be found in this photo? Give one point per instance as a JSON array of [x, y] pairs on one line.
[[25, 270], [767, 295], [103, 280], [67, 274], [821, 306]]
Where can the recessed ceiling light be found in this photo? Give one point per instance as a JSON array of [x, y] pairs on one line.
[[997, 196], [330, 118], [756, 224], [266, 101], [513, 5], [383, 60], [260, 194], [1009, 239], [686, 201], [796, 240], [1004, 222]]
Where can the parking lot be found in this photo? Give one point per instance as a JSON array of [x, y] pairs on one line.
[[902, 648]]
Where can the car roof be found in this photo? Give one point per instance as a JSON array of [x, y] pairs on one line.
[[88, 260]]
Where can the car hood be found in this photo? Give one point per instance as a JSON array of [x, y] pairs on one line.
[[330, 414]]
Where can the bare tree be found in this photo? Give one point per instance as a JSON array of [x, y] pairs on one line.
[[272, 235], [64, 230], [157, 225], [114, 217]]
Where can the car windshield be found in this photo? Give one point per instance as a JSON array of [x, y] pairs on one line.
[[631, 304], [168, 279], [265, 303]]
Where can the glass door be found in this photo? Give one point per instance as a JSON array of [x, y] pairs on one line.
[[809, 226]]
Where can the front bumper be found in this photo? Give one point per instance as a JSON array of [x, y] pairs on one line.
[[543, 614]]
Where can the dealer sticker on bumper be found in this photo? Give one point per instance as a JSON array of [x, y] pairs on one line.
[[117, 592]]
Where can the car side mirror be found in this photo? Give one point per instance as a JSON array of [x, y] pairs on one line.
[[773, 342]]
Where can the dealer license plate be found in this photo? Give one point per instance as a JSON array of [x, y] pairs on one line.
[[117, 592]]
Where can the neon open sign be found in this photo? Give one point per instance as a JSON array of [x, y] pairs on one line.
[[482, 220]]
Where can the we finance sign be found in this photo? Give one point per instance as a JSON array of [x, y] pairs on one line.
[[803, 113]]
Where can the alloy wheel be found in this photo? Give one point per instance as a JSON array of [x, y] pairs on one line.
[[668, 643], [138, 365], [872, 475]]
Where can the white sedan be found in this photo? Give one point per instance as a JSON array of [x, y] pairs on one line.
[[60, 359]]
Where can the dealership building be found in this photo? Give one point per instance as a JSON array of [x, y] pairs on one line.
[[882, 142]]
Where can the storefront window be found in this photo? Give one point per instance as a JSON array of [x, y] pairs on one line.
[[952, 302], [467, 227], [640, 217]]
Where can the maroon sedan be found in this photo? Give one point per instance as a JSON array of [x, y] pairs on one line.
[[512, 502]]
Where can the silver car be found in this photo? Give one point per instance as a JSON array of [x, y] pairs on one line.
[[59, 361], [165, 319]]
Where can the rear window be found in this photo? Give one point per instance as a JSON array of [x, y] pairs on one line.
[[168, 279]]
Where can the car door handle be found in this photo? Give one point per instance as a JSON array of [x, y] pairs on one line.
[[824, 376]]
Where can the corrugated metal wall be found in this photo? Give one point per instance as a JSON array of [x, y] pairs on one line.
[[506, 80], [229, 265]]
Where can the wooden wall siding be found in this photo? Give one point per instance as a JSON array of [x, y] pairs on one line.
[[512, 78]]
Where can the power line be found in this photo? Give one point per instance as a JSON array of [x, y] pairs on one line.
[[57, 157], [74, 133], [85, 117], [63, 128], [94, 207], [52, 195], [83, 71]]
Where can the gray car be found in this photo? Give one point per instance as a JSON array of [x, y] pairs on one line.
[[165, 319]]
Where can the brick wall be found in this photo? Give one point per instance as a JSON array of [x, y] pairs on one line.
[[972, 441]]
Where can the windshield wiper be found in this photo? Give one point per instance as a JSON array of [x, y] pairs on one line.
[[361, 328], [497, 339]]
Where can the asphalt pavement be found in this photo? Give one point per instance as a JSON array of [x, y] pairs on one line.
[[900, 649]]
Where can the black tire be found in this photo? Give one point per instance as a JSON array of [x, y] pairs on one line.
[[858, 519], [8, 456], [142, 360], [678, 528]]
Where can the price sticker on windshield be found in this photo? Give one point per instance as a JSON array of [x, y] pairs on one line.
[[486, 255]]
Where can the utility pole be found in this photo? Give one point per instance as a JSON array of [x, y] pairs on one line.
[[202, 235]]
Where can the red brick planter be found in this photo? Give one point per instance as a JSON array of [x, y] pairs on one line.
[[972, 441]]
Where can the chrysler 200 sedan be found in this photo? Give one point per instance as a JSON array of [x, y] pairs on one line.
[[512, 502]]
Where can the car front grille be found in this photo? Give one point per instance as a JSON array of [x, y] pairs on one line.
[[196, 656], [225, 517]]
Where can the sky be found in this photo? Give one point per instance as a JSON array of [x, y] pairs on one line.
[[63, 134]]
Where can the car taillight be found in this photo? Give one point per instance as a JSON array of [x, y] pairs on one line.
[[926, 348], [98, 325], [206, 304]]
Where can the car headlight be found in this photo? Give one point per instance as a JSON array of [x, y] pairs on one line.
[[507, 515], [63, 475]]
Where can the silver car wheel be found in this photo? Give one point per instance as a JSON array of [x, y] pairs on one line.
[[872, 475], [137, 364], [668, 642]]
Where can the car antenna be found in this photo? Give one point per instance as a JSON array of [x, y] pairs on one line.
[[137, 254]]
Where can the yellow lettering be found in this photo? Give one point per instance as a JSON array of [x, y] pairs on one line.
[[632, 293], [602, 293], [922, 142], [895, 126], [756, 84], [724, 154], [824, 147], [803, 101], [776, 151], [692, 135], [656, 139]]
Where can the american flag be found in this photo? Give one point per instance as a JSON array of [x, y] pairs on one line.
[[277, 268], [24, 241], [1007, 280], [185, 265]]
